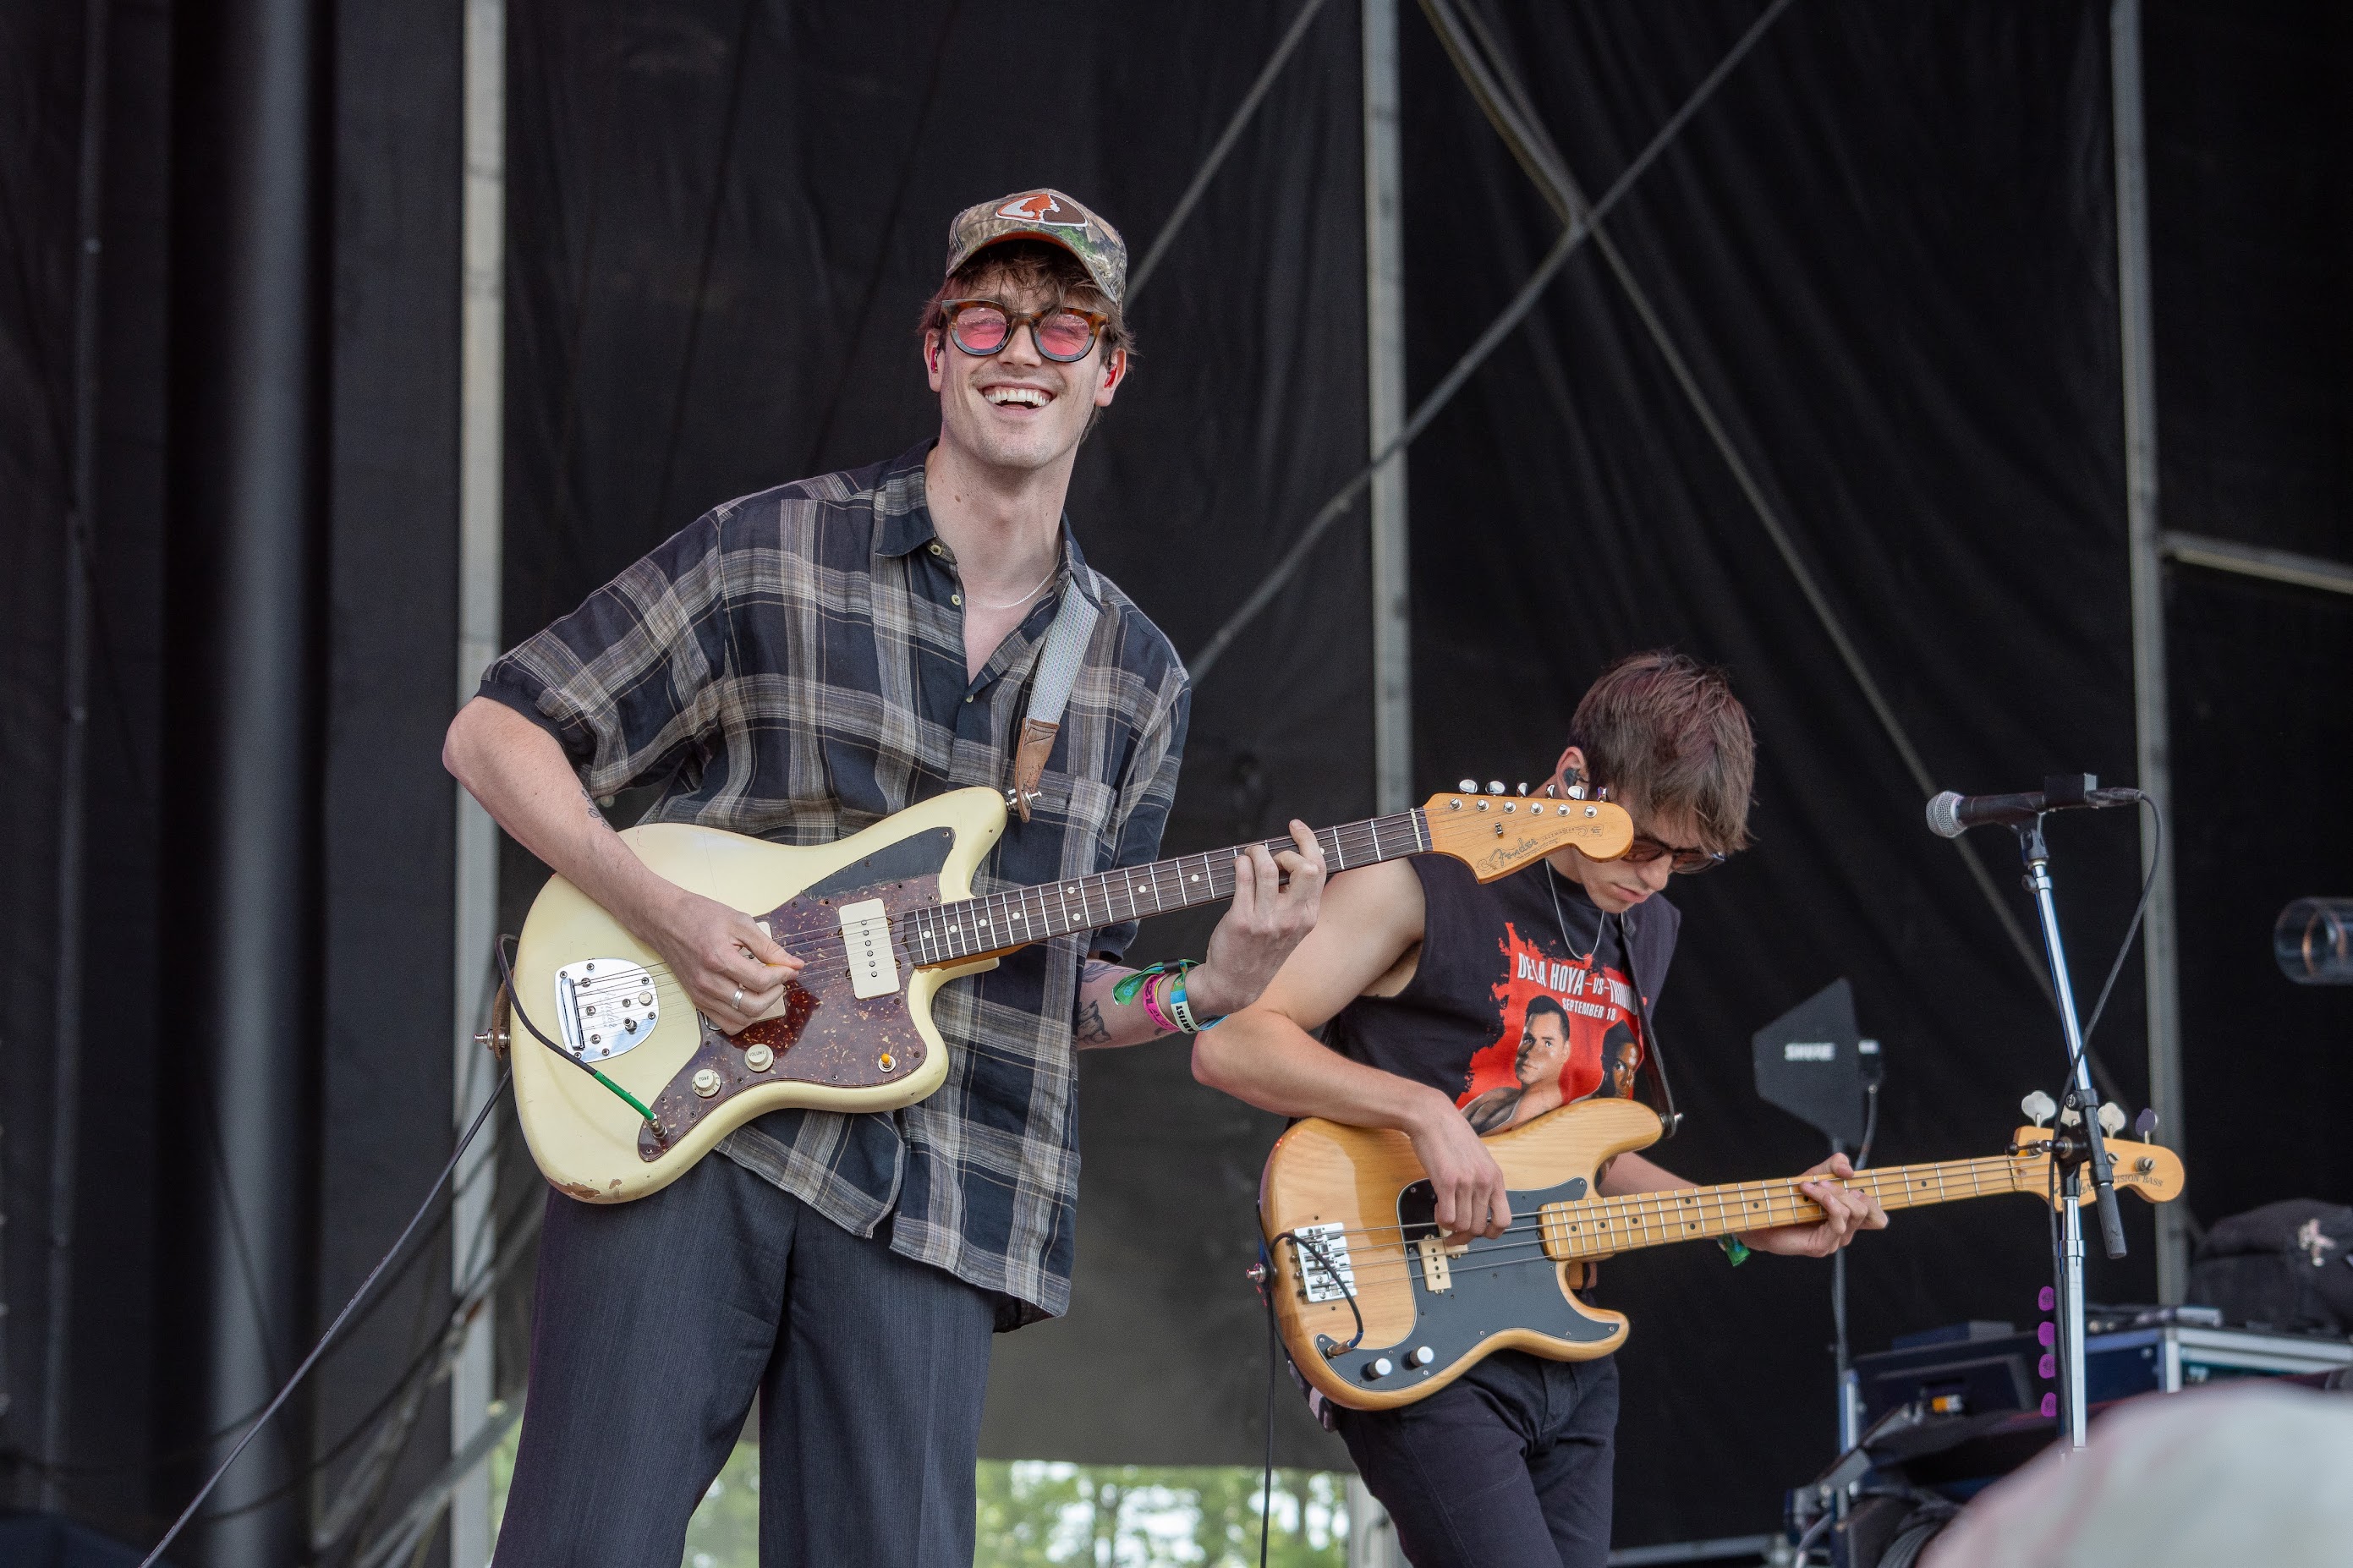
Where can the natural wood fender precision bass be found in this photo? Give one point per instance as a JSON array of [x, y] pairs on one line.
[[622, 1085], [1379, 1310]]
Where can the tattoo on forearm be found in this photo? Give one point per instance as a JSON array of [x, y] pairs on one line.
[[1091, 1029], [1094, 969], [591, 802]]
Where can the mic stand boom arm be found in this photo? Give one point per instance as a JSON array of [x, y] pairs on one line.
[[2081, 1099]]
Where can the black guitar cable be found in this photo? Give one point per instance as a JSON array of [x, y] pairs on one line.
[[1274, 1353], [481, 1119], [514, 1000]]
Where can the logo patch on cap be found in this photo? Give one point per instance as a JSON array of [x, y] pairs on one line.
[[1040, 207]]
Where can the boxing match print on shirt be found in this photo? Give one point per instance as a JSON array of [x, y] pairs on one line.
[[1569, 1031]]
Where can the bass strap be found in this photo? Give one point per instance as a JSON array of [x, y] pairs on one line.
[[1049, 690]]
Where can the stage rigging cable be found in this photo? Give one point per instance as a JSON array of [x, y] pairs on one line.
[[1479, 59], [1574, 235]]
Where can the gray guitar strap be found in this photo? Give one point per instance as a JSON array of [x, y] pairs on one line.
[[1050, 690]]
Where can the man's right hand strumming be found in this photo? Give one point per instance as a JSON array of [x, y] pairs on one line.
[[1469, 1185], [735, 972]]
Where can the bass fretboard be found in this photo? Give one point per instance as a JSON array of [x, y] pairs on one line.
[[950, 933], [1595, 1228]]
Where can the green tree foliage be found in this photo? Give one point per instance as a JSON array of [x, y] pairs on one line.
[[1035, 1514]]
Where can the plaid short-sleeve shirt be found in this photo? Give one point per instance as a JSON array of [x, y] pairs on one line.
[[791, 666]]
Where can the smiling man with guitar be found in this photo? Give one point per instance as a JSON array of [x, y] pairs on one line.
[[797, 667], [1456, 1008]]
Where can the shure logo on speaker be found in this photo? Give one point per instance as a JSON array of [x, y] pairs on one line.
[[1810, 1051]]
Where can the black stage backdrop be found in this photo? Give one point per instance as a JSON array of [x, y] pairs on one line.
[[1887, 251]]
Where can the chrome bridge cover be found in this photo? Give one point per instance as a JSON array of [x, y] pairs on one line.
[[1325, 1274], [604, 1006]]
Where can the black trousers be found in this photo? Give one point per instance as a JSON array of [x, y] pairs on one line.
[[657, 1321], [1507, 1467]]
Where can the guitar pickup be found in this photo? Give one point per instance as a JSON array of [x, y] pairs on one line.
[[1437, 1273], [866, 933]]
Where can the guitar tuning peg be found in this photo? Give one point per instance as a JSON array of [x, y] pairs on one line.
[[2144, 1125], [1524, 789], [2112, 1118], [2038, 1107], [1467, 786], [1494, 787]]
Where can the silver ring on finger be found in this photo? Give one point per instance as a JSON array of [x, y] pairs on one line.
[[739, 999]]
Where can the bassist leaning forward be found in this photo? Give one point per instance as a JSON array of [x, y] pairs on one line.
[[799, 665], [1457, 1009]]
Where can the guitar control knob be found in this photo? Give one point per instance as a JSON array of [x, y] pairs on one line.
[[1467, 786], [706, 1082], [1380, 1367], [1422, 1355]]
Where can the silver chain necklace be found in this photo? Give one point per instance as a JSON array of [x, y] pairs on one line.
[[1010, 603], [1600, 918]]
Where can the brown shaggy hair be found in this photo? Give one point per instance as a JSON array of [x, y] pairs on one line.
[[1667, 736], [1019, 266]]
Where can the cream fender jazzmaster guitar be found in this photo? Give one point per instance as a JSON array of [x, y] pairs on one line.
[[622, 1085], [1379, 1309]]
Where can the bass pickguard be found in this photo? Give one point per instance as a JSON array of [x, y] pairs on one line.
[[1495, 1284]]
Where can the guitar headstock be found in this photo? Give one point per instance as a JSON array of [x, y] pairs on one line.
[[2151, 1170], [1495, 835]]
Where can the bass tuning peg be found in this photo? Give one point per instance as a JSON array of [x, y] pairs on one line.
[[2144, 1125], [2039, 1107], [2112, 1118]]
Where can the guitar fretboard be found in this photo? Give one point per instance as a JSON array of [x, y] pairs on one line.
[[952, 932], [1595, 1228]]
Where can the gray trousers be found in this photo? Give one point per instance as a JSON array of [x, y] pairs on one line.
[[657, 1321]]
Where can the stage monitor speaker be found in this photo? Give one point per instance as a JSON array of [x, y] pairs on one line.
[[1812, 1063]]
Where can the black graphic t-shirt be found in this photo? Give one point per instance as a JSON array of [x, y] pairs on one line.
[[1523, 997]]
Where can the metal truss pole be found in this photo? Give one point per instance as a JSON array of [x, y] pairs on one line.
[[473, 1375], [1385, 397], [2158, 936]]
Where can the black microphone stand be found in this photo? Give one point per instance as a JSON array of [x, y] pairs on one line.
[[2073, 1147]]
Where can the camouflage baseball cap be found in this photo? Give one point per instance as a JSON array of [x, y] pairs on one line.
[[1048, 216]]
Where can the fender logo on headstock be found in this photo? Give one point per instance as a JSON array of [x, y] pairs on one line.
[[1503, 857]]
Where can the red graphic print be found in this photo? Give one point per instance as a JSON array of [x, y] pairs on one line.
[[1566, 1032]]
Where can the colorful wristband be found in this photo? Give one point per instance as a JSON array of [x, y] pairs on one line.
[[1167, 1025], [1180, 1008], [1129, 985], [1735, 1249]]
